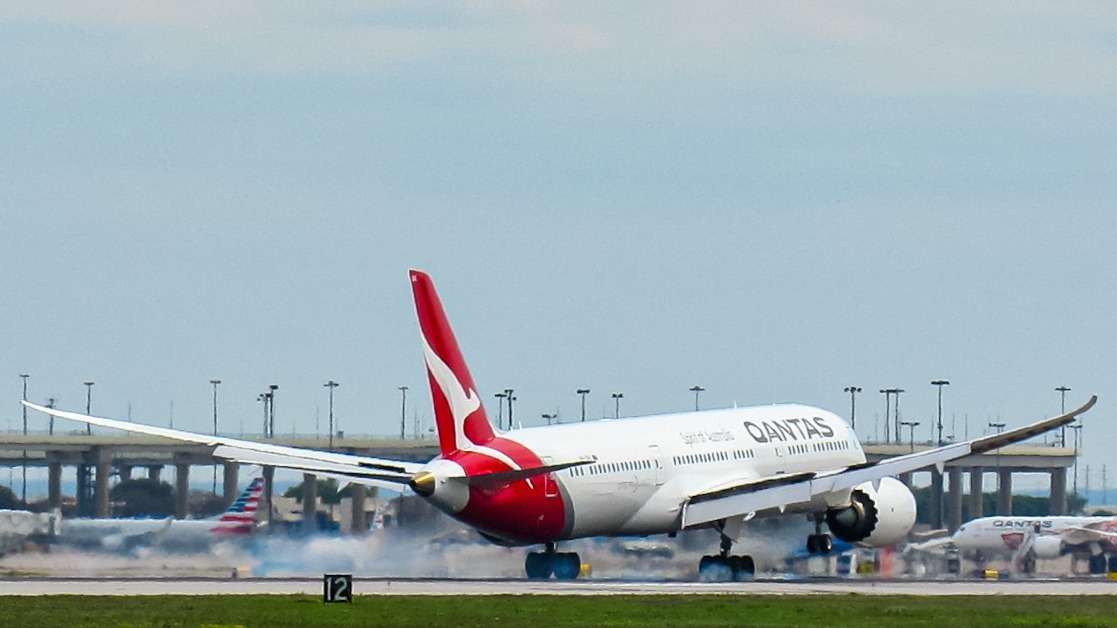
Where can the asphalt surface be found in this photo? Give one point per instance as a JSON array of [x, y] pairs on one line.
[[391, 586]]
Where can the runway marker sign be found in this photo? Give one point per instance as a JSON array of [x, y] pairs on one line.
[[337, 588]]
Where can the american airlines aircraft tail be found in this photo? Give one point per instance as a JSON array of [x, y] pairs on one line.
[[237, 522], [637, 476], [240, 516], [127, 534]]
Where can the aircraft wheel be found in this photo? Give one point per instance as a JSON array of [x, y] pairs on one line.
[[734, 565], [539, 565], [953, 566], [1097, 564], [567, 566], [812, 544], [743, 568], [748, 564], [714, 569], [825, 544]]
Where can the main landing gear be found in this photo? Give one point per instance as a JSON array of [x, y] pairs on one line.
[[1100, 564], [819, 542], [726, 568], [564, 565]]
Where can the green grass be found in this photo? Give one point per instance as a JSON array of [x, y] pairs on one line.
[[545, 611]]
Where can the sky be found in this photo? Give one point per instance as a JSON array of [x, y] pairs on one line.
[[771, 200]]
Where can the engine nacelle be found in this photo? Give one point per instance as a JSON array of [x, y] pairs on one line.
[[1048, 547], [114, 542], [875, 517]]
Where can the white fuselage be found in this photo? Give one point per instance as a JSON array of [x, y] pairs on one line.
[[111, 533], [1006, 533], [645, 468]]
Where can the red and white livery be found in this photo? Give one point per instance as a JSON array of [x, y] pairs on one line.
[[635, 476]]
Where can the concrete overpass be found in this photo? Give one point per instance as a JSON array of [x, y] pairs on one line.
[[99, 457], [946, 504]]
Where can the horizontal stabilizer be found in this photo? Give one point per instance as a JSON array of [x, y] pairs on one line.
[[498, 479], [356, 474]]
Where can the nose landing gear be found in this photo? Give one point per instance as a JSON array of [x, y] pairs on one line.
[[564, 565]]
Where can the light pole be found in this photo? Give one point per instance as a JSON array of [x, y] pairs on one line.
[[500, 409], [215, 382], [50, 422], [911, 439], [696, 390], [896, 410], [940, 383], [999, 426], [583, 392], [509, 391], [332, 385], [549, 418], [852, 390], [271, 408], [88, 404], [402, 412], [1077, 427], [265, 398], [887, 392], [617, 404], [24, 376], [1063, 390]]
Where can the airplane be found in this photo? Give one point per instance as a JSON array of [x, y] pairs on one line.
[[636, 476], [112, 534], [1026, 539], [17, 526], [167, 532], [237, 522]]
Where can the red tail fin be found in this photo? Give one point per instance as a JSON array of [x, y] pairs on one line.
[[458, 412]]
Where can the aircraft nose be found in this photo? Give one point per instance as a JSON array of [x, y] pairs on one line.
[[423, 483]]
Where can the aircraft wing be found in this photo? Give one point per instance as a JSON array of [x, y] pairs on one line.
[[780, 492], [1094, 532], [392, 474], [931, 545]]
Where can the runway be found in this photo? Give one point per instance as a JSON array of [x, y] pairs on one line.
[[425, 586]]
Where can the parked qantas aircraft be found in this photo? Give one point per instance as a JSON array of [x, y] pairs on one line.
[[637, 476], [1025, 539]]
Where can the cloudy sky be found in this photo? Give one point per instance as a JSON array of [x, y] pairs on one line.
[[771, 200]]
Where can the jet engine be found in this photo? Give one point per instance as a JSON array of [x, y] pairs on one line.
[[874, 517], [1048, 547], [114, 542]]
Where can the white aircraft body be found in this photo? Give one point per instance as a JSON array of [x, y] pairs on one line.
[[17, 525], [236, 523], [112, 534], [118, 534], [635, 476], [1025, 539]]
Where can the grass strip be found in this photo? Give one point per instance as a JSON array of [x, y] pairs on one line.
[[547, 611]]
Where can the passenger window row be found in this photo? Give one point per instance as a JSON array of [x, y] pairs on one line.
[[714, 456], [611, 467]]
